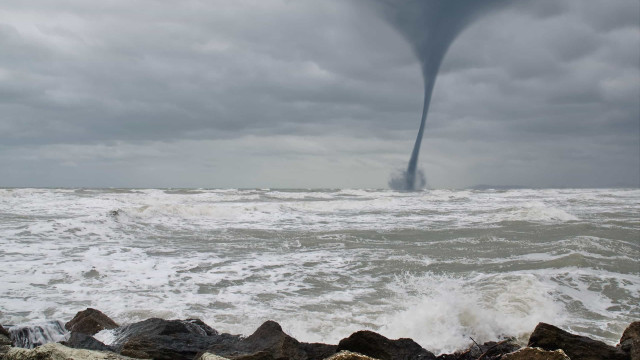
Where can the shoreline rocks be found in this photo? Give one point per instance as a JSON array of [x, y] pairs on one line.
[[549, 337], [90, 322], [269, 342], [630, 340], [377, 346], [193, 339]]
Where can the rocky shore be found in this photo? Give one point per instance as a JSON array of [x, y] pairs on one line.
[[192, 339]]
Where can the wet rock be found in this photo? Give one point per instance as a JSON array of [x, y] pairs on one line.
[[269, 342], [549, 337], [91, 322], [348, 355], [536, 354], [168, 339], [488, 351], [377, 346], [55, 351], [630, 341], [83, 341]]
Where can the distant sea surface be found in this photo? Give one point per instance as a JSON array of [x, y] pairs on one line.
[[438, 266]]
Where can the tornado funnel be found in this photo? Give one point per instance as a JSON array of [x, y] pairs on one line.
[[430, 26]]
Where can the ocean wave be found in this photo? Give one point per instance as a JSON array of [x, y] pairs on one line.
[[535, 212], [443, 312]]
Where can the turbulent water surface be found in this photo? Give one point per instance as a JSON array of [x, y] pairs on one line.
[[437, 266]]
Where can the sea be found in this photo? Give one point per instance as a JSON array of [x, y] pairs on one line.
[[439, 266]]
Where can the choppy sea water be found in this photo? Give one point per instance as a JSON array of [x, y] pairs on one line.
[[438, 266]]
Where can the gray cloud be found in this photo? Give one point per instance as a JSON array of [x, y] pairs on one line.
[[544, 93]]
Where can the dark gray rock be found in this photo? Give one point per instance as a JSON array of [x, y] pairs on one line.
[[377, 346], [269, 342], [318, 351], [83, 341], [168, 339], [91, 322], [549, 337], [630, 340], [488, 351]]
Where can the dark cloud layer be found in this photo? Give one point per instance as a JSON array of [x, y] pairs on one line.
[[313, 93]]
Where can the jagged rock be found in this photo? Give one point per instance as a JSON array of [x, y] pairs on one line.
[[348, 355], [269, 342], [91, 322], [167, 339], [536, 354], [630, 340], [55, 351], [549, 337], [488, 351], [377, 346], [83, 341]]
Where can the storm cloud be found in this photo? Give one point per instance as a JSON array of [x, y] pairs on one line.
[[312, 93]]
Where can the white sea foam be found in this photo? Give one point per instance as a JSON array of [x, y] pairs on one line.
[[534, 212], [107, 337], [326, 263], [443, 312]]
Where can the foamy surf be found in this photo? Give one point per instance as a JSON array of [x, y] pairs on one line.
[[437, 266]]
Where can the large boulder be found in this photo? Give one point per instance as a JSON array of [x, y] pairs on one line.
[[167, 339], [536, 354], [55, 351], [377, 346], [269, 342], [630, 340], [91, 322], [549, 337]]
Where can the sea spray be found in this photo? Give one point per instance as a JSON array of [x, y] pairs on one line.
[[442, 312], [430, 26]]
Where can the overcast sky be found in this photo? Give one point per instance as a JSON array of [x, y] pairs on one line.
[[313, 93]]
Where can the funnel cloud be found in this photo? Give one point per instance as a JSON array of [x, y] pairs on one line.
[[430, 26]]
